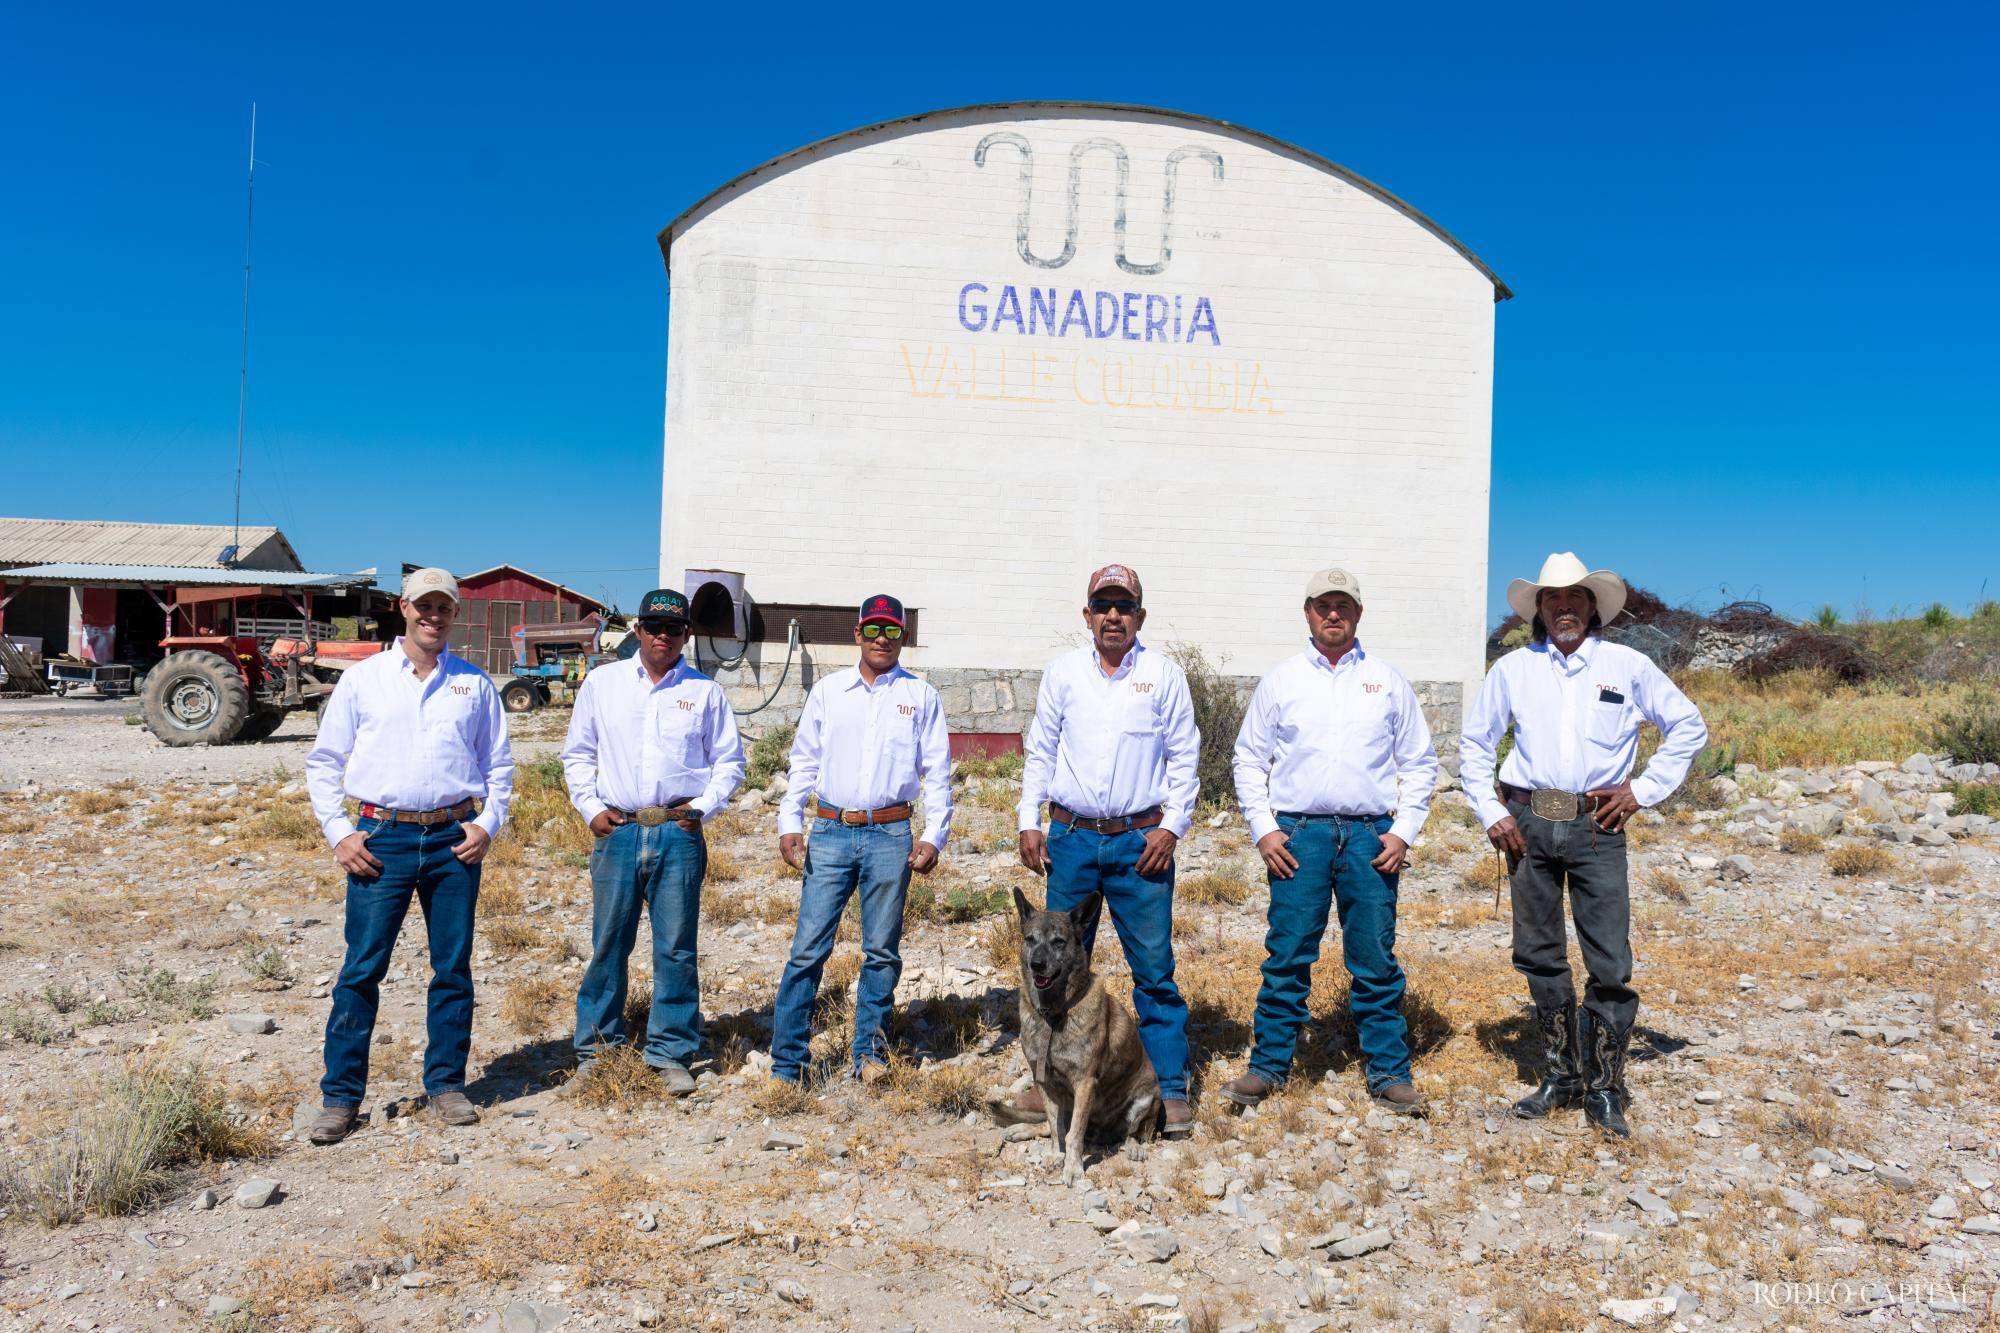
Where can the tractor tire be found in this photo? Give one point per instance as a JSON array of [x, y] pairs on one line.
[[518, 696], [195, 698], [262, 724]]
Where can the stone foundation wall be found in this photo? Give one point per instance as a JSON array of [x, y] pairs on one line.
[[978, 700]]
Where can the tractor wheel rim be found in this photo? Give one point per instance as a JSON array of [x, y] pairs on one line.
[[193, 703]]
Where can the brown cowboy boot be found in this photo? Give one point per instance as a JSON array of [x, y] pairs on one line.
[[1248, 1089], [1179, 1118]]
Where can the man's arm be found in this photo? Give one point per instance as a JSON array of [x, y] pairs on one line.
[[1039, 747], [498, 760], [1416, 765], [725, 749], [579, 753], [1682, 733], [807, 740], [1251, 762], [934, 764], [1182, 740], [326, 765], [1479, 746]]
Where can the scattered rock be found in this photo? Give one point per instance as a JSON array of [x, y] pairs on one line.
[[256, 1192], [1367, 1242], [1639, 1312], [221, 1307], [1944, 1207], [202, 1202], [777, 1140], [791, 1292], [1152, 1245], [251, 1025]]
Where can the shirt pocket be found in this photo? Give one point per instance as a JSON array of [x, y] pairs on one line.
[[1136, 713], [1609, 723], [452, 717], [677, 731]]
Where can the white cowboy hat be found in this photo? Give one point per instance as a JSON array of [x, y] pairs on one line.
[[1564, 570]]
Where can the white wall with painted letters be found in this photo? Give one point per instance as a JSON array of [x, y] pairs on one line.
[[925, 359]]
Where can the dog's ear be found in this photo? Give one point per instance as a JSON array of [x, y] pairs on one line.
[[1022, 905], [1085, 912]]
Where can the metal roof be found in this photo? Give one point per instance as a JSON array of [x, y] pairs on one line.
[[167, 576], [911, 124], [101, 541]]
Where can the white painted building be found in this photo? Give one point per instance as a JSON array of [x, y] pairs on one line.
[[966, 357]]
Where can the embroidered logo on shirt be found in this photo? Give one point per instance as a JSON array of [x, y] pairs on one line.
[[1142, 687], [461, 689], [685, 705], [1372, 689], [907, 710]]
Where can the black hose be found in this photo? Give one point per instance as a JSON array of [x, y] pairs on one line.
[[791, 647]]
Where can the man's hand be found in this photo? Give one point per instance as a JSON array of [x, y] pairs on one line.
[[1615, 806], [355, 858], [1395, 855], [1035, 850], [923, 858], [473, 850], [1506, 835], [1158, 856], [1278, 858], [604, 821], [792, 848]]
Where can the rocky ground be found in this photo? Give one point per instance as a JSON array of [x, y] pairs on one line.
[[1814, 1086]]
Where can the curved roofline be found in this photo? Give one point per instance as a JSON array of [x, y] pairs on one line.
[[1501, 291]]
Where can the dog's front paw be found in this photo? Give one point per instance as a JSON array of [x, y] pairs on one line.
[[1073, 1173]]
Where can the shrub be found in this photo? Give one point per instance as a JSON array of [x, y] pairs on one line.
[[1212, 888], [1828, 617], [159, 992], [268, 964], [769, 753], [1797, 842], [1971, 735], [1936, 616], [1976, 798], [1857, 858], [1218, 711]]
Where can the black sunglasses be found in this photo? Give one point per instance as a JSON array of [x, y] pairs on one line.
[[1124, 606], [656, 627]]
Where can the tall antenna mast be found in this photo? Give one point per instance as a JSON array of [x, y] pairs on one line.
[[243, 378]]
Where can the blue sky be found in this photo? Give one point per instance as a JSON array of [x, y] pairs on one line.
[[1752, 352]]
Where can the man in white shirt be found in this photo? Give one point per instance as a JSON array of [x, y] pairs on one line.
[[1113, 749], [652, 752], [1334, 773], [1559, 812], [418, 737], [868, 741]]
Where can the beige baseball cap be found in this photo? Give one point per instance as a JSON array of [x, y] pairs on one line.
[[420, 581], [1333, 580]]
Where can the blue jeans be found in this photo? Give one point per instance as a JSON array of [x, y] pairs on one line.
[[1142, 911], [416, 862], [660, 870], [841, 859], [1333, 852]]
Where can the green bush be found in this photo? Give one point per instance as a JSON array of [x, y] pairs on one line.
[[1006, 767], [1976, 798], [769, 753], [1218, 711], [1936, 617], [1828, 617], [1971, 735]]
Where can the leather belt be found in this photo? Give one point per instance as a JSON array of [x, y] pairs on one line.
[[1558, 807], [443, 815], [652, 816], [1114, 824], [888, 814], [1305, 818]]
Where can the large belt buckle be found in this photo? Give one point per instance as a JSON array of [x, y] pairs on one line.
[[1557, 807], [651, 816]]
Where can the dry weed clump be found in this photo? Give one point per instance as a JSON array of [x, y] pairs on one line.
[[1859, 858], [1808, 719], [616, 1076], [499, 895], [97, 802], [1212, 888], [1798, 842], [126, 1148], [1485, 874], [722, 867], [1003, 942], [290, 825], [726, 909], [511, 935], [781, 1097], [536, 1006], [947, 1090]]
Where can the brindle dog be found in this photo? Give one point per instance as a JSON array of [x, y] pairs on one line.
[[1082, 1045]]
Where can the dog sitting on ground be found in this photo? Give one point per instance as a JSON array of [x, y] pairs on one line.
[[1082, 1045]]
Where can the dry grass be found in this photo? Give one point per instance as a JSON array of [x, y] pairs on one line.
[[509, 935], [1809, 720], [97, 802], [1212, 888], [499, 895], [1797, 842], [1943, 872], [287, 825], [780, 1097], [722, 867], [1003, 942], [946, 1090], [1859, 858], [617, 1076], [536, 1006], [1485, 874], [1667, 884], [726, 909]]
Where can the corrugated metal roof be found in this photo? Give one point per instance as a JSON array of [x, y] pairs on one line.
[[170, 575], [100, 541]]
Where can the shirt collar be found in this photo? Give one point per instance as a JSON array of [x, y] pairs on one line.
[[889, 677], [1576, 661], [1352, 656], [1125, 667], [671, 677]]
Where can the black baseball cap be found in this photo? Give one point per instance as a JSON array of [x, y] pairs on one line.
[[882, 608], [664, 604]]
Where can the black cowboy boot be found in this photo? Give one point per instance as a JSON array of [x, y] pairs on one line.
[[1562, 1066], [1604, 1095]]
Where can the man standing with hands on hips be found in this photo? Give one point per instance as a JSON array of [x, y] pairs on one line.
[[1113, 748], [418, 737], [1559, 811], [1334, 771], [652, 752], [868, 741]]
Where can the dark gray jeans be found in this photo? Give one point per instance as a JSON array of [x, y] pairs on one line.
[[1591, 863]]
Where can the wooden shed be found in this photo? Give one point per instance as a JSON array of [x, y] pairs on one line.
[[493, 601]]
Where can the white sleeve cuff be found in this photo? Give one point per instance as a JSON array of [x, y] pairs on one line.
[[339, 829], [1261, 826]]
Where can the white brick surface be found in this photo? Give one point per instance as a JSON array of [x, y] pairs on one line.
[[832, 429]]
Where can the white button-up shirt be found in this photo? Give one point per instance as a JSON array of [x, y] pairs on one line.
[[633, 743], [389, 739], [1106, 746], [1327, 738], [1576, 724], [861, 747]]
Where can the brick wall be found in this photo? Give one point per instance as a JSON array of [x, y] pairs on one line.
[[834, 427]]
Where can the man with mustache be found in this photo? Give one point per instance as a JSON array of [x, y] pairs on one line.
[[415, 734], [1334, 772], [1113, 749], [1559, 812]]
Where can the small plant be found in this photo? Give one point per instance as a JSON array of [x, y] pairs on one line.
[[1936, 616], [1976, 798], [101, 1013], [1971, 735], [1827, 618], [291, 823], [536, 1006], [768, 753], [62, 997], [722, 867], [97, 802], [1857, 858], [1218, 712], [968, 904], [1004, 767], [1798, 842], [511, 935], [159, 993], [1212, 888], [32, 1027], [1485, 874], [1003, 942], [269, 965]]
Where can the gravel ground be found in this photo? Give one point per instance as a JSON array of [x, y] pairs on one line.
[[1814, 1089]]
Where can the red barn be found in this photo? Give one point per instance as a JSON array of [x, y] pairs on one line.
[[493, 601]]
